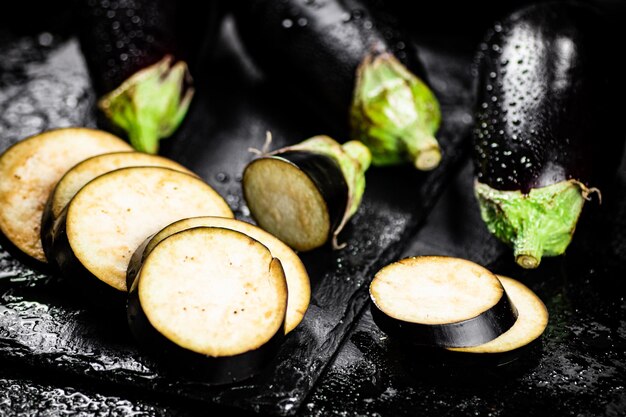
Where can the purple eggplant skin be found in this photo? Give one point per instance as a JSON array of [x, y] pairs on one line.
[[122, 37], [112, 54], [316, 46], [549, 104], [139, 54], [472, 332]]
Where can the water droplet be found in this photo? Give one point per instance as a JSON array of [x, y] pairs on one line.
[[287, 23], [492, 75], [222, 177], [45, 39], [302, 22], [368, 24], [357, 14]]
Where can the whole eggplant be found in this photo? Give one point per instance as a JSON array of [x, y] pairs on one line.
[[138, 53], [349, 67], [548, 124]]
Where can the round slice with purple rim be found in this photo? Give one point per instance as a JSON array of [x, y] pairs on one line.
[[99, 230], [440, 301], [211, 302], [31, 168], [79, 175], [295, 272]]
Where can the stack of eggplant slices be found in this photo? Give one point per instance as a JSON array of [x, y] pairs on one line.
[[215, 295], [458, 306]]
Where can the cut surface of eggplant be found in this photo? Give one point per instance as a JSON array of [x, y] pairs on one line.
[[440, 301], [214, 298], [85, 171], [29, 171], [105, 222], [531, 322], [299, 197], [295, 272]]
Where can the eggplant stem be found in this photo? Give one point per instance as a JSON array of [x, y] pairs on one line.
[[266, 146], [428, 159], [151, 104]]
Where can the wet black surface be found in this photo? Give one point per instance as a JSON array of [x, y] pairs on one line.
[[578, 369], [42, 325]]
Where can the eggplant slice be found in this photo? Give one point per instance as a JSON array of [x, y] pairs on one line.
[[299, 197], [440, 301], [295, 272], [96, 234], [87, 170], [212, 301], [29, 171], [531, 322]]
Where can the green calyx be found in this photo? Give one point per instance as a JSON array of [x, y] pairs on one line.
[[353, 158], [540, 223], [151, 104], [395, 114]]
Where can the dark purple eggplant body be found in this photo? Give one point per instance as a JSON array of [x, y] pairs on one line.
[[472, 332], [550, 102], [316, 46], [121, 37], [328, 178], [209, 370]]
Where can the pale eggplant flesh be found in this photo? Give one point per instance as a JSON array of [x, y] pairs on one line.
[[30, 170], [85, 171], [300, 197], [440, 302], [295, 273], [210, 303], [96, 234]]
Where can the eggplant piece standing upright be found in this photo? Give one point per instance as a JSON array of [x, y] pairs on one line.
[[138, 53], [349, 67], [549, 130], [305, 194]]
